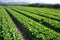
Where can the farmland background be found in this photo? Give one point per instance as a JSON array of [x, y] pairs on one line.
[[29, 21]]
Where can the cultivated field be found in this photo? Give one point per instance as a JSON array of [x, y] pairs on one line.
[[29, 23]]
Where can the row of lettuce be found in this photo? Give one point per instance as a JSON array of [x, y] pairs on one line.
[[8, 30], [41, 10], [50, 13], [37, 29], [53, 23]]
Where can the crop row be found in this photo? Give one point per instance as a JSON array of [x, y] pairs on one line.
[[53, 23], [43, 10], [38, 30], [8, 30], [38, 12]]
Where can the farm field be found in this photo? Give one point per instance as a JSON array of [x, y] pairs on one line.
[[29, 23]]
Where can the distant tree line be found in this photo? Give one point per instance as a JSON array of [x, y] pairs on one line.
[[6, 4], [34, 5], [45, 5], [9, 5]]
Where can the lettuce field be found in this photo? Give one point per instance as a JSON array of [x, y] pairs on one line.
[[29, 23]]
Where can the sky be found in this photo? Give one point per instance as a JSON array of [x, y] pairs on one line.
[[34, 1]]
